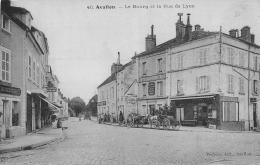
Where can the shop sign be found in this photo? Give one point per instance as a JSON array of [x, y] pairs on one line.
[[50, 87], [101, 103], [151, 88], [10, 90], [253, 100]]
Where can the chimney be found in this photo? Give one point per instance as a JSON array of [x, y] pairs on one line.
[[5, 4], [245, 34], [180, 28], [233, 33], [116, 67], [197, 27], [188, 30], [150, 40], [118, 57], [252, 38]]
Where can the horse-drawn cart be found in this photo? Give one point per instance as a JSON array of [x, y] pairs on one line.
[[135, 120], [164, 121]]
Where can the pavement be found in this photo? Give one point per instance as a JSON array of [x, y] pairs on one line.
[[90, 143], [31, 141], [184, 128]]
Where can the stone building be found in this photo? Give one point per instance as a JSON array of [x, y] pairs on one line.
[[207, 78], [24, 99], [213, 78], [151, 76], [118, 93]]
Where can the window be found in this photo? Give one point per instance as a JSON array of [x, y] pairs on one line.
[[255, 87], [241, 86], [203, 84], [230, 83], [6, 66], [255, 62], [144, 90], [5, 23], [15, 114], [230, 56], [160, 88], [34, 70], [38, 75], [180, 61], [30, 67], [179, 87], [113, 92], [241, 59], [230, 111], [159, 65], [203, 57], [144, 68]]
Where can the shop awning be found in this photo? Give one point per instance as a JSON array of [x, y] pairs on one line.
[[52, 107], [193, 97]]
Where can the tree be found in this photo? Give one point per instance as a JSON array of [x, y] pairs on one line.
[[77, 105], [92, 106]]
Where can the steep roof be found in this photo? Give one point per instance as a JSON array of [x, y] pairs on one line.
[[174, 42], [111, 78]]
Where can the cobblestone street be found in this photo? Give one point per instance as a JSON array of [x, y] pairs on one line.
[[87, 142]]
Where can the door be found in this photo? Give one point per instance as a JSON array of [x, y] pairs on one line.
[[254, 115], [152, 109], [29, 114], [202, 115], [180, 114]]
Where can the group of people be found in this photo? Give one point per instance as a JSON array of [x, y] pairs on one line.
[[107, 117]]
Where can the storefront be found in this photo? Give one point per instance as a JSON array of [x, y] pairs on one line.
[[10, 110], [213, 111]]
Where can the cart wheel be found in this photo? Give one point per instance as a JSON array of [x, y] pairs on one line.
[[141, 123], [166, 124], [132, 124], [154, 123], [157, 124]]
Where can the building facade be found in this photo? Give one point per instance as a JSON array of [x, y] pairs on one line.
[[24, 100], [151, 76], [206, 78]]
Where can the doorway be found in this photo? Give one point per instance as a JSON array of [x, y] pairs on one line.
[[180, 114], [29, 114], [152, 109], [254, 115], [202, 115]]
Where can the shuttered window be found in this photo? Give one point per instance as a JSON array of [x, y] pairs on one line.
[[230, 111], [203, 84]]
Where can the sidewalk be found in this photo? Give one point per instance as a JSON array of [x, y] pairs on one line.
[[185, 128], [31, 141]]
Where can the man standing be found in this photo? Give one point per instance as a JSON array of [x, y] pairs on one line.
[[0, 126]]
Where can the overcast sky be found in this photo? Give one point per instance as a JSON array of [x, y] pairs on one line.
[[84, 42]]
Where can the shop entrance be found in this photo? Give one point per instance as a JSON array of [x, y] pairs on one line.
[[254, 115], [152, 109], [29, 114], [202, 115]]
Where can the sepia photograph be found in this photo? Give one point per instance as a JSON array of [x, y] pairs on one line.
[[129, 82]]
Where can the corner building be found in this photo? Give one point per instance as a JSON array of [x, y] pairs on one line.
[[213, 79]]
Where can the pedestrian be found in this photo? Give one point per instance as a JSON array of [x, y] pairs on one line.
[[0, 127], [121, 117]]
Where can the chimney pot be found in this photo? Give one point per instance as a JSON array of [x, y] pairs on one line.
[[245, 33], [233, 33]]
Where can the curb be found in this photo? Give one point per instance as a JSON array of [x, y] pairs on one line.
[[209, 131], [31, 146]]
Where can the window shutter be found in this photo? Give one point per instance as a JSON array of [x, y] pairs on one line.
[[197, 84], [208, 82]]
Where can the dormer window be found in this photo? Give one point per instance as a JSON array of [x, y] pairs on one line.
[[5, 23]]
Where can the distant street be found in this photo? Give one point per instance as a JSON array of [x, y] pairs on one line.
[[97, 144]]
